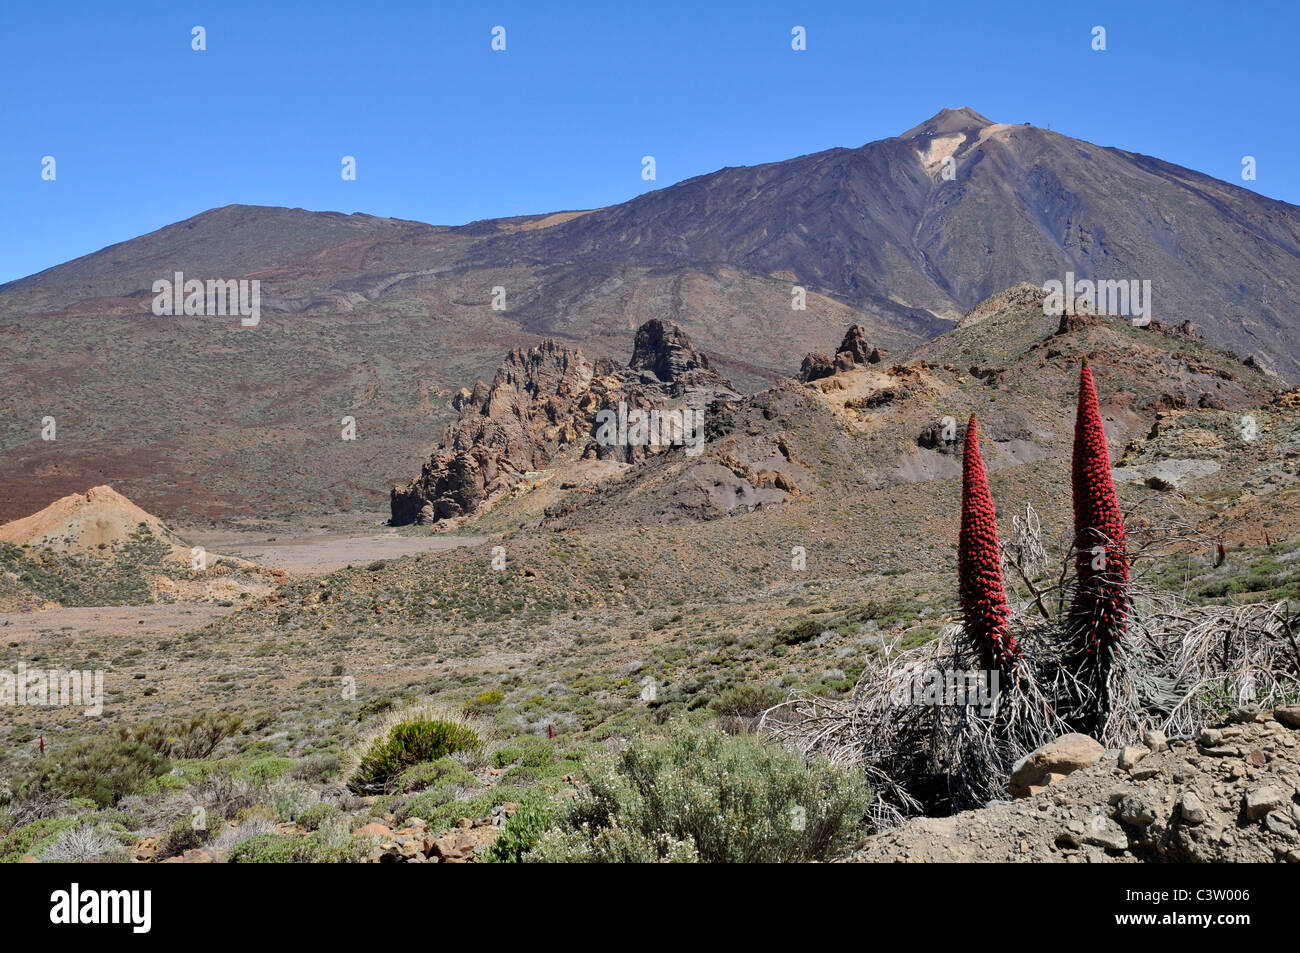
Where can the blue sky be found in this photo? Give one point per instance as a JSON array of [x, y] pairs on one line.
[[145, 131]]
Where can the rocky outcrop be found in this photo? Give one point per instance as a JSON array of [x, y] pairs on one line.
[[665, 351], [545, 402], [500, 434], [855, 343], [1076, 321], [853, 350], [816, 366]]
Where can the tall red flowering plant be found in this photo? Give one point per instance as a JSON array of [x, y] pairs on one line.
[[983, 599], [1100, 607]]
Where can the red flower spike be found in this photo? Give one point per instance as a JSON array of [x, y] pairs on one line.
[[1100, 604], [983, 599]]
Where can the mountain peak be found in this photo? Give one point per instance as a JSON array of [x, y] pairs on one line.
[[946, 121]]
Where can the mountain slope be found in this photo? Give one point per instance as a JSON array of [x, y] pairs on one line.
[[384, 320], [881, 228]]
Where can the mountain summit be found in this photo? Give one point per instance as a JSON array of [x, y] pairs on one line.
[[948, 121]]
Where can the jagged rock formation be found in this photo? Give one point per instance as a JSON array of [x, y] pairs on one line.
[[848, 424], [497, 438], [666, 352], [547, 401], [853, 350], [815, 366]]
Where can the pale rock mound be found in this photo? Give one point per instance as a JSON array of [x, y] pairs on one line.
[[83, 522], [101, 528]]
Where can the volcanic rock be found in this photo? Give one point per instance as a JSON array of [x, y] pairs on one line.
[[544, 402]]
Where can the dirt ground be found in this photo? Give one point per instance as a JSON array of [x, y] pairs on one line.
[[322, 551]]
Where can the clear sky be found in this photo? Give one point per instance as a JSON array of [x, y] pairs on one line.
[[146, 131]]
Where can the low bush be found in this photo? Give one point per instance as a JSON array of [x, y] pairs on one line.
[[702, 795], [529, 751], [520, 833], [318, 814], [406, 744], [746, 701], [315, 848], [429, 773], [85, 844], [103, 769], [485, 700], [181, 836], [31, 839], [193, 737]]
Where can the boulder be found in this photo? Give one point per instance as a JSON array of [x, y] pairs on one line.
[[454, 847], [1130, 756], [1155, 740], [1191, 808], [1260, 801], [815, 366], [1063, 756], [1289, 716]]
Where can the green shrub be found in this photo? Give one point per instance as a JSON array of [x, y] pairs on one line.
[[430, 802], [318, 814], [31, 839], [318, 768], [290, 798], [537, 752], [103, 769], [746, 701], [264, 768], [529, 751], [445, 813], [703, 795], [520, 832], [520, 776], [194, 737], [182, 836], [429, 773], [409, 743], [376, 706], [289, 849], [485, 700], [800, 632], [506, 755]]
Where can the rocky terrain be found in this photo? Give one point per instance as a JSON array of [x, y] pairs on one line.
[[1230, 795], [863, 420]]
